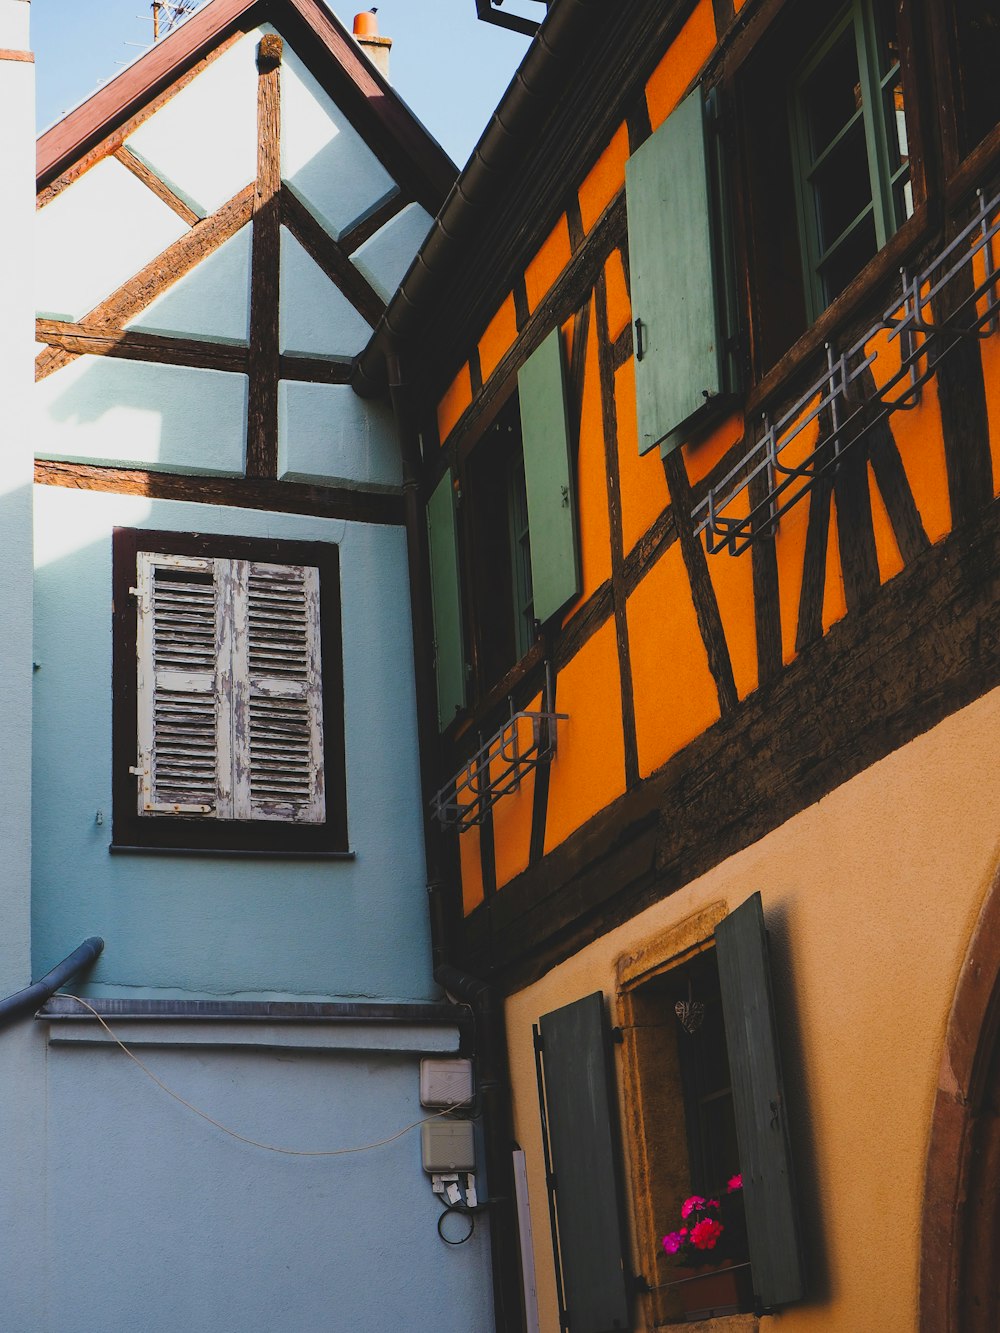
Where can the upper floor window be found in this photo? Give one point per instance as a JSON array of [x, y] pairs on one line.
[[502, 526], [228, 729], [850, 150]]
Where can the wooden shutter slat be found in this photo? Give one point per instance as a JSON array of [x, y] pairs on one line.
[[176, 686], [279, 731], [759, 1100], [581, 1120], [678, 368], [449, 642], [548, 478]]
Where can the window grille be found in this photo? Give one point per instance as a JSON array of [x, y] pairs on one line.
[[843, 400]]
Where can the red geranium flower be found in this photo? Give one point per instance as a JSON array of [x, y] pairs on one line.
[[705, 1233]]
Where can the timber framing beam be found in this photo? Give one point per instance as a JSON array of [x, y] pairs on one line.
[[927, 646]]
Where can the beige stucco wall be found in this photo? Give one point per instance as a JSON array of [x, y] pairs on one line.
[[870, 897]]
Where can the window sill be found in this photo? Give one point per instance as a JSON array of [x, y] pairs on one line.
[[847, 305], [245, 853]]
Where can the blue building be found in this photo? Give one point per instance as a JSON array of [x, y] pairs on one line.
[[223, 741]]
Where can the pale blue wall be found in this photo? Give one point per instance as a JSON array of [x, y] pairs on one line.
[[208, 1235], [216, 926]]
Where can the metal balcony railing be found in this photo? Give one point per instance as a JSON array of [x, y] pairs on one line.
[[846, 403], [499, 766]]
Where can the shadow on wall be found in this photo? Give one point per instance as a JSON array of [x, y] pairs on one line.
[[175, 418]]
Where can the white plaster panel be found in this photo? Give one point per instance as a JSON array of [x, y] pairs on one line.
[[203, 142], [211, 301], [323, 158], [95, 236], [385, 257], [327, 433], [315, 317], [168, 418]]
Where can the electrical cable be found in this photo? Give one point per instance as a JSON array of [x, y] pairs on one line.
[[253, 1143], [470, 1213]]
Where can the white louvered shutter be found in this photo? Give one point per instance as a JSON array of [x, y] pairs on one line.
[[277, 697], [182, 647], [230, 715]]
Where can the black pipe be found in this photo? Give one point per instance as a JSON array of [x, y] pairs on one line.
[[493, 1090], [493, 1081], [35, 995]]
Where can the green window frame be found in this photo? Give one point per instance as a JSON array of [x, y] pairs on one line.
[[852, 176]]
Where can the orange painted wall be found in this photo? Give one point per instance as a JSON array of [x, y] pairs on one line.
[[919, 440], [675, 72], [605, 178], [790, 541], [588, 771], [732, 580], [545, 267], [834, 596], [619, 305], [643, 485], [675, 694], [499, 337], [457, 398], [512, 815], [890, 561], [592, 478]]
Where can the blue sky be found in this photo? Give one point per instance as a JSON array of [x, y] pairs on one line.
[[449, 67]]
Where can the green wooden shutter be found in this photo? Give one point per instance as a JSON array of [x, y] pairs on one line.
[[678, 368], [548, 478], [759, 1099], [580, 1116], [449, 644]]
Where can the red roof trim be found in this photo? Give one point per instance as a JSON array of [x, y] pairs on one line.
[[120, 99]]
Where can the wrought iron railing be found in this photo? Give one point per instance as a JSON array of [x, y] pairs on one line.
[[499, 766], [846, 402]]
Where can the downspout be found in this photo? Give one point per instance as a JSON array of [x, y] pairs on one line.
[[34, 996], [493, 1078]]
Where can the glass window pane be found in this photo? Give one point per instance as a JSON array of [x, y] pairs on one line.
[[849, 258], [842, 186], [832, 94]]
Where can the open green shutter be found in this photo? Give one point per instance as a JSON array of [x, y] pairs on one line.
[[449, 645], [759, 1100], [548, 478], [678, 368], [579, 1114]]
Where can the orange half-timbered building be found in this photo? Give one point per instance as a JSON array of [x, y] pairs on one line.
[[699, 379]]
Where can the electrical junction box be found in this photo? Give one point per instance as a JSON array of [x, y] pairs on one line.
[[445, 1082], [447, 1146]]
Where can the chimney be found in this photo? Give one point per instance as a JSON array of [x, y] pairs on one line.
[[376, 48]]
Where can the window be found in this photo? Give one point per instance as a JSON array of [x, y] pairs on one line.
[[699, 1106], [851, 158], [228, 695], [977, 88], [504, 532], [827, 129]]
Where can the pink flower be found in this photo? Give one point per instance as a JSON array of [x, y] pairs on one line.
[[705, 1233], [690, 1205], [683, 1231], [734, 1183], [672, 1242], [713, 1203]]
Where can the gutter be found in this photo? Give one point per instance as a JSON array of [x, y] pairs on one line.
[[533, 92]]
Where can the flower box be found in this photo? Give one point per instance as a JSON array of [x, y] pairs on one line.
[[705, 1292]]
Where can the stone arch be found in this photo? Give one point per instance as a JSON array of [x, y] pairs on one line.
[[960, 1234]]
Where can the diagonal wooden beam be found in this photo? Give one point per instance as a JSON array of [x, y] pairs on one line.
[[262, 416], [350, 240], [159, 274], [159, 187], [330, 257]]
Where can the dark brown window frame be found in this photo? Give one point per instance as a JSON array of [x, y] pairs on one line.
[[165, 833]]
